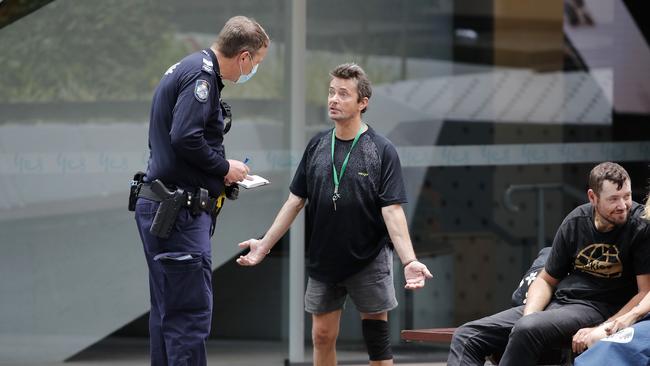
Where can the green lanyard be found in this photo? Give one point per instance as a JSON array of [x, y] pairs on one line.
[[337, 177]]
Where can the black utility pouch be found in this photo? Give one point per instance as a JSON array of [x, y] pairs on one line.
[[232, 192], [200, 201], [168, 209], [136, 183]]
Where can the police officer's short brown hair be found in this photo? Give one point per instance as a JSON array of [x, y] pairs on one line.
[[241, 34], [354, 71]]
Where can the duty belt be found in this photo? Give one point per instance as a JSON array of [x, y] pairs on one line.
[[191, 200]]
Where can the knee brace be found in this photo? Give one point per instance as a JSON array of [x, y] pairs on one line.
[[375, 334]]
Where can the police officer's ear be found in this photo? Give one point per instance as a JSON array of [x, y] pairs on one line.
[[246, 55]]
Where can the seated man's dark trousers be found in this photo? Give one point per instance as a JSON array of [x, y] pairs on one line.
[[180, 280], [521, 339]]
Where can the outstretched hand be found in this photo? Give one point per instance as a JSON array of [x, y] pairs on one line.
[[256, 252], [416, 273]]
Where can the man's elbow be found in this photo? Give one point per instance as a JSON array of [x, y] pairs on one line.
[[295, 202], [548, 279], [178, 143], [391, 209]]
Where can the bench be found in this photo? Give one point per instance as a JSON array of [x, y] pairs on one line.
[[433, 335]]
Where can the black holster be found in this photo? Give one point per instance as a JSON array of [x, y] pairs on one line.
[[170, 204]]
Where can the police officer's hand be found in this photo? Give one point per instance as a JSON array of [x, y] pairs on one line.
[[237, 172], [257, 252], [416, 273]]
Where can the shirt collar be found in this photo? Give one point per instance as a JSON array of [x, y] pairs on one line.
[[215, 64]]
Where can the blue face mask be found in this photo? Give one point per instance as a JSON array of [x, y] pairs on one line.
[[245, 77]]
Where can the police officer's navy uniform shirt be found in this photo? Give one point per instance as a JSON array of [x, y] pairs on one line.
[[342, 242], [186, 126]]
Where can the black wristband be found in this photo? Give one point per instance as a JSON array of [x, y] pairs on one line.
[[409, 262]]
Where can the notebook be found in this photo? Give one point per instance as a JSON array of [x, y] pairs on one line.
[[255, 181]]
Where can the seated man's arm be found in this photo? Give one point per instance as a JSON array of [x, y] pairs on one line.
[[643, 284], [637, 312], [629, 314], [540, 292]]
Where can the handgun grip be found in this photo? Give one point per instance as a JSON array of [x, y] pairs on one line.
[[159, 188]]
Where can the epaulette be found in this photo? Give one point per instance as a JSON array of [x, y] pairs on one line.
[[207, 66]]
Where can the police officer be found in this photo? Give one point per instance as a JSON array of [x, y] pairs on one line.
[[187, 155]]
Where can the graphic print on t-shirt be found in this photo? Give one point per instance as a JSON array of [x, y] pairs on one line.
[[600, 260]]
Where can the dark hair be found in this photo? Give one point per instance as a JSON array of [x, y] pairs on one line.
[[241, 34], [607, 171], [354, 71]]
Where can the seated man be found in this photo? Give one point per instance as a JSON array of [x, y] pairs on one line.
[[598, 250], [627, 343]]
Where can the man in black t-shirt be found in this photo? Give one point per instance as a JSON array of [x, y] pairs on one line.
[[351, 178], [598, 269]]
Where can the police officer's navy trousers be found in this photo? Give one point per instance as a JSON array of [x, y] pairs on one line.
[[180, 286], [521, 339]]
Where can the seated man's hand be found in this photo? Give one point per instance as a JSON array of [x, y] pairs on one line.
[[586, 337], [619, 323], [416, 273], [237, 172]]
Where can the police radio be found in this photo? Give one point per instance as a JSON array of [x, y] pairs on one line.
[[227, 116]]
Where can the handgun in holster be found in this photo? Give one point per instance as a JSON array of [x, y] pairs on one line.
[[136, 183], [170, 204]]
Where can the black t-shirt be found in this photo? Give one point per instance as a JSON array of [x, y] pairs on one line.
[[599, 269], [344, 240]]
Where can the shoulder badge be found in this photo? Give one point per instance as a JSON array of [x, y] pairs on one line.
[[201, 90], [171, 68]]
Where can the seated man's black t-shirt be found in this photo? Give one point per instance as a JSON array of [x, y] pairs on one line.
[[599, 269], [343, 241]]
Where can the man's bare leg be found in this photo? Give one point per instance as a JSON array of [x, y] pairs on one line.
[[324, 331]]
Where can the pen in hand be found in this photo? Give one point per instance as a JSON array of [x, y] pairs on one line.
[[248, 177]]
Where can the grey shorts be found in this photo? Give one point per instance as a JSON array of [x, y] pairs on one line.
[[371, 290]]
